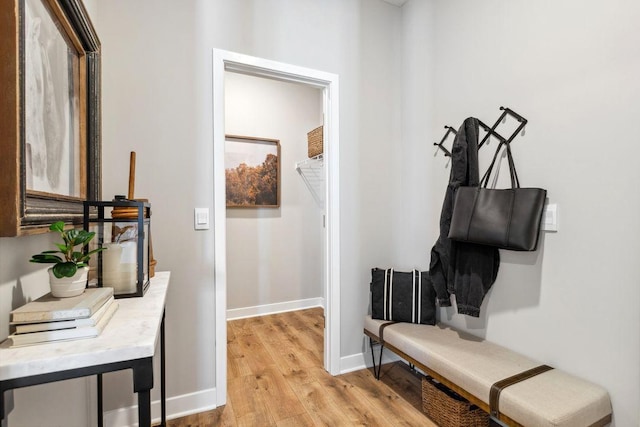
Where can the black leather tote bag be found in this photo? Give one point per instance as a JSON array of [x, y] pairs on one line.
[[507, 218]]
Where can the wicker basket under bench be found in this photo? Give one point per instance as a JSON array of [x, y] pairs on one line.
[[471, 366], [447, 408]]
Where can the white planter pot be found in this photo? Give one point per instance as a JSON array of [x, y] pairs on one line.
[[68, 286]]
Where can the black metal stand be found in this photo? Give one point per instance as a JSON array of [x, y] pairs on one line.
[[142, 382]]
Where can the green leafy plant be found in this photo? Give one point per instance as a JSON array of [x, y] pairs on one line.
[[67, 264]]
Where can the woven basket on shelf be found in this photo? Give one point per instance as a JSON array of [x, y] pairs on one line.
[[448, 409], [314, 140]]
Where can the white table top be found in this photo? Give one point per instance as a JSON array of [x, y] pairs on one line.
[[131, 334]]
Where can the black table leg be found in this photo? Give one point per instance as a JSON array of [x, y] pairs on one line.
[[142, 384], [144, 408], [163, 393], [100, 408], [2, 390]]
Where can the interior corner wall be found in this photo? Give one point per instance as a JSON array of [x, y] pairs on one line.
[[571, 69], [274, 255]]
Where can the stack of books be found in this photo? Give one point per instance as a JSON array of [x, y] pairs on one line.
[[50, 319]]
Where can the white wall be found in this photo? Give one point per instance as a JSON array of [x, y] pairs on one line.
[[274, 255], [157, 101], [414, 169], [571, 69]]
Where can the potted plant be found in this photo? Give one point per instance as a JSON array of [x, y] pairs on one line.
[[68, 276]]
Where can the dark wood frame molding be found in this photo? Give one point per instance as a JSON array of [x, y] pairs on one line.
[[22, 211]]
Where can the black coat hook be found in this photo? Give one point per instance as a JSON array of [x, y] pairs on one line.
[[492, 130], [450, 130]]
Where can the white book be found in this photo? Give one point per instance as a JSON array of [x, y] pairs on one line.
[[26, 328], [65, 334], [48, 308]]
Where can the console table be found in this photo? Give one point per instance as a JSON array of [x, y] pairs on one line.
[[127, 342]]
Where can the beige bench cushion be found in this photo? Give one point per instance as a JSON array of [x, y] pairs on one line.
[[553, 398]]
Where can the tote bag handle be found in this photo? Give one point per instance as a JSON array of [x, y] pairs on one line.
[[515, 182]]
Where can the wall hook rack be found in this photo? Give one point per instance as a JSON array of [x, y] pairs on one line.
[[490, 130], [449, 131]]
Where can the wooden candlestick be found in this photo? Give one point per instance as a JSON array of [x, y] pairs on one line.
[[132, 175]]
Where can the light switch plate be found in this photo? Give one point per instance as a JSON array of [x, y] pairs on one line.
[[550, 217], [201, 218]]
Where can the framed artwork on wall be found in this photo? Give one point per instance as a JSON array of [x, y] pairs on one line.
[[252, 171], [50, 116]]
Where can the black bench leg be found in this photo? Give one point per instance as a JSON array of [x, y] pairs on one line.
[[376, 373]]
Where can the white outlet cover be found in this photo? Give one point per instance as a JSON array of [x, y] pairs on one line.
[[550, 217]]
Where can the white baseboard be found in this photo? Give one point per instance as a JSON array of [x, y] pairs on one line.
[[178, 406], [280, 307], [358, 361]]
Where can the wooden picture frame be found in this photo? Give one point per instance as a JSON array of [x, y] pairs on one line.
[[252, 171], [50, 141]]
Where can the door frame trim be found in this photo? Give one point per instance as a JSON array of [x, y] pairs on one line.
[[224, 61]]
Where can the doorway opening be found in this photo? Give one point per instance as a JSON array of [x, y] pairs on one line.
[[225, 61]]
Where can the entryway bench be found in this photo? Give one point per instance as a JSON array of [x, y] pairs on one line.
[[471, 366]]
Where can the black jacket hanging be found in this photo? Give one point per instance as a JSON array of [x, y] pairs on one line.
[[464, 269]]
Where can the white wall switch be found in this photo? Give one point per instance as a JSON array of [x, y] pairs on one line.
[[201, 219], [550, 217]]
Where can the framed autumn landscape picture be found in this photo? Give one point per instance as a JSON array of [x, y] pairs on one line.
[[252, 172]]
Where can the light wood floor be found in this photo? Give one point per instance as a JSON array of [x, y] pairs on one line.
[[276, 378]]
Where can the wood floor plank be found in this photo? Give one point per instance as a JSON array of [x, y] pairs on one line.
[[297, 334], [354, 403], [275, 378], [248, 404], [286, 352], [224, 417], [245, 326], [320, 407], [393, 405], [405, 382], [298, 376], [307, 332], [313, 321], [278, 395], [302, 420], [188, 421], [237, 366], [251, 349]]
